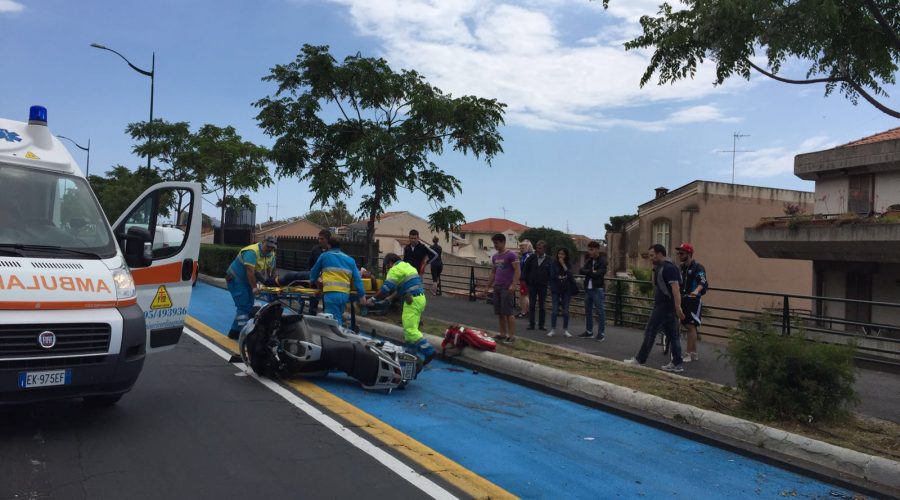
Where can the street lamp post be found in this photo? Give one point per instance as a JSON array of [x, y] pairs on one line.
[[151, 74], [87, 172]]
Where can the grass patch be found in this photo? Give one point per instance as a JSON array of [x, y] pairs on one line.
[[855, 432]]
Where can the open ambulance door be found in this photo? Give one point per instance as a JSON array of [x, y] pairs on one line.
[[163, 228]]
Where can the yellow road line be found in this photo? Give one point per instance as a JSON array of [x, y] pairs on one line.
[[435, 463]]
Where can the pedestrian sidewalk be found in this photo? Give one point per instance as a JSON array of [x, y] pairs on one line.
[[879, 391]]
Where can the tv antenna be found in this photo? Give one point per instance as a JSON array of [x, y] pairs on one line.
[[270, 205], [504, 211], [734, 151]]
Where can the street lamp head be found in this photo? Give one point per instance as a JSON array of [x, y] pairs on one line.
[[98, 46]]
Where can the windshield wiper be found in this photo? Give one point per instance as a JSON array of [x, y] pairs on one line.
[[8, 251], [51, 248]]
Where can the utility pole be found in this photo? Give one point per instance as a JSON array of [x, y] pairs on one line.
[[734, 151]]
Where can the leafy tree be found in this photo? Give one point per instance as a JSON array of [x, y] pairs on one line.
[[338, 215], [850, 45], [120, 187], [388, 127], [224, 163], [172, 144], [618, 222], [555, 240]]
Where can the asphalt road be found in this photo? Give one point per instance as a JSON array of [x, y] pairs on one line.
[[191, 428]]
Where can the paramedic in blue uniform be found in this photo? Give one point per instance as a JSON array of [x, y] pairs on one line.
[[254, 264], [340, 277]]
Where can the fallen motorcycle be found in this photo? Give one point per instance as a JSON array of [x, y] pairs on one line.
[[278, 342]]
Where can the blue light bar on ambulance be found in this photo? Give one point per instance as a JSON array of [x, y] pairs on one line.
[[37, 115]]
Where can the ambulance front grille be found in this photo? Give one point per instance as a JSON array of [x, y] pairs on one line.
[[71, 339], [56, 265]]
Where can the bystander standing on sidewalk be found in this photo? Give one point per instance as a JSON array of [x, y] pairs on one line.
[[417, 254], [525, 251], [437, 266], [504, 279], [562, 286], [594, 271], [666, 307], [693, 275], [537, 275]]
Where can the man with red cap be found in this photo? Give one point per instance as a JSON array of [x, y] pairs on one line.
[[693, 275]]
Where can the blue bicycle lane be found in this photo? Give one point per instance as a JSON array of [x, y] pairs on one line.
[[539, 446]]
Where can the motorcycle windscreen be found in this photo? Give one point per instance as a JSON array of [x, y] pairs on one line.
[[171, 212]]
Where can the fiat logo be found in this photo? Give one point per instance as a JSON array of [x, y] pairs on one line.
[[47, 339]]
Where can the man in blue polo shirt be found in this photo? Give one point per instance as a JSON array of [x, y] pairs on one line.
[[666, 307]]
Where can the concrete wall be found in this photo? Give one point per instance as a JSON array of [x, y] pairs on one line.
[[887, 190], [886, 288], [483, 256], [712, 217], [831, 195], [389, 229]]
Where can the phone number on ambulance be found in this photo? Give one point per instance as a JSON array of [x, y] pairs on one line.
[[165, 313]]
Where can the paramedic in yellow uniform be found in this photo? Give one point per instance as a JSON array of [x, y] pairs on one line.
[[254, 264], [404, 280]]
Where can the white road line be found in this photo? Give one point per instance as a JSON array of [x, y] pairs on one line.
[[389, 461]]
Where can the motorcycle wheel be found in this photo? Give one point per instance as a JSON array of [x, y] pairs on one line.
[[255, 352]]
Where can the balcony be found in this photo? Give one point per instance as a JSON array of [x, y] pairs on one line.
[[845, 237]]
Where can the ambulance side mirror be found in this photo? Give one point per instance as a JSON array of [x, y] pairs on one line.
[[137, 240]]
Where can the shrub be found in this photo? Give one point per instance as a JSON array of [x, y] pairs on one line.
[[215, 259], [791, 377]]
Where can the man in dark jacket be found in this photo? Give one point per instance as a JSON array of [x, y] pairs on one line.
[[594, 271], [537, 275]]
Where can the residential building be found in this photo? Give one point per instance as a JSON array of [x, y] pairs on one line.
[[712, 217], [852, 234], [392, 231], [293, 228], [476, 237]]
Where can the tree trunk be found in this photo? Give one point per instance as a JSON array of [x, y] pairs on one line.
[[371, 257], [221, 239]]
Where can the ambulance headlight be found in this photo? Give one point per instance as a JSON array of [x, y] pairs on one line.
[[124, 283]]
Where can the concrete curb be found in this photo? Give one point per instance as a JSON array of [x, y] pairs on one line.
[[859, 465], [212, 280]]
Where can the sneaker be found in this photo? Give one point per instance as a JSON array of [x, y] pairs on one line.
[[695, 356], [600, 337], [673, 368], [543, 329], [566, 333], [552, 333], [633, 362], [686, 358], [585, 335], [530, 328], [509, 340]]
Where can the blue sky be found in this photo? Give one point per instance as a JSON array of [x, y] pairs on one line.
[[582, 140]]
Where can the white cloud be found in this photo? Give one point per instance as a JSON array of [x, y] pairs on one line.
[[777, 160], [521, 55], [8, 6]]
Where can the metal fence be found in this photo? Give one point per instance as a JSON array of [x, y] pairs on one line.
[[629, 302]]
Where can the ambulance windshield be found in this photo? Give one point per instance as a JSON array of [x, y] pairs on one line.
[[39, 207]]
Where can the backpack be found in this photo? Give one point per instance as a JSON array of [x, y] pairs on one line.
[[459, 336]]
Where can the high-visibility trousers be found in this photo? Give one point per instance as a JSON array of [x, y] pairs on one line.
[[335, 303], [242, 296]]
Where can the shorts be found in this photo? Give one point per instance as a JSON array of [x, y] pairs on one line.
[[691, 307], [523, 289], [504, 301]]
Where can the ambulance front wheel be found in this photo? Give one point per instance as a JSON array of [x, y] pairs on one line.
[[104, 401]]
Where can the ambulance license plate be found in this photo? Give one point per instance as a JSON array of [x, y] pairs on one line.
[[45, 378]]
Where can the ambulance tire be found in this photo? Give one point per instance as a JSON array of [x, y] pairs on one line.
[[104, 401]]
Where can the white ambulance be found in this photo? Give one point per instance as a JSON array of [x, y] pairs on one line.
[[82, 303]]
